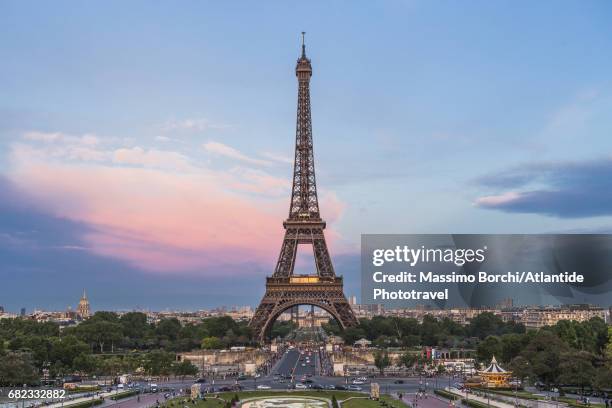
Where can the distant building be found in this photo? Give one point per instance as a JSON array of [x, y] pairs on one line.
[[535, 318], [83, 310], [506, 304], [1, 309], [23, 312], [368, 311]]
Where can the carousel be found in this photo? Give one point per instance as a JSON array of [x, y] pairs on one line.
[[494, 376]]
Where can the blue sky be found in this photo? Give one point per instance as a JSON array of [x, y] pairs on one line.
[[139, 140]]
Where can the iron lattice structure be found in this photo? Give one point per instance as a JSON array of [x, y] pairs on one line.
[[303, 226]]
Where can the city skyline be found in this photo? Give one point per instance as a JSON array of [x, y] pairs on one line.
[[137, 143]]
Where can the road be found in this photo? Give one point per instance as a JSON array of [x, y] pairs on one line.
[[290, 365]]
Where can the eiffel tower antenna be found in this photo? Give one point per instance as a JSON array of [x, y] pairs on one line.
[[304, 225]]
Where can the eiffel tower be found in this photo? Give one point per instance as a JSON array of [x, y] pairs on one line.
[[285, 290]]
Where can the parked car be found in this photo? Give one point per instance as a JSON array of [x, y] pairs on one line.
[[300, 386], [263, 387], [354, 388]]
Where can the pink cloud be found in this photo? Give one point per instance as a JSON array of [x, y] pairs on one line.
[[158, 221], [158, 211], [495, 200], [164, 222]]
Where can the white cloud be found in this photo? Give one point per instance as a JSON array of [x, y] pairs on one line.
[[277, 157], [164, 139], [228, 151], [44, 136], [193, 124], [152, 158]]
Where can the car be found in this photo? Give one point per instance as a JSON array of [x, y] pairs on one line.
[[354, 388], [358, 382], [200, 380], [316, 387], [330, 387], [300, 386], [241, 378], [224, 389], [264, 387], [340, 387], [398, 382]]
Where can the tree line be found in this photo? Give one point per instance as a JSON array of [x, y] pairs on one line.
[[568, 353], [108, 344]]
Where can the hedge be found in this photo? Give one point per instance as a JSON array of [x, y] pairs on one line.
[[85, 404], [446, 394], [124, 394], [473, 403]]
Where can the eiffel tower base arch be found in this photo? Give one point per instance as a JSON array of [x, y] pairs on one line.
[[282, 294]]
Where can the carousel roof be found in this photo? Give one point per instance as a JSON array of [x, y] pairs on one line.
[[494, 368]]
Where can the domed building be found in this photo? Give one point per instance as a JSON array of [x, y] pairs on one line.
[[83, 310]]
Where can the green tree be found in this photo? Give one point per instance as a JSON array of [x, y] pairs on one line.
[[16, 369], [211, 343], [381, 360], [520, 367], [576, 368], [544, 355], [99, 331], [488, 348], [86, 364], [511, 346], [352, 334], [608, 349], [408, 359], [184, 368], [135, 328], [603, 378], [282, 329], [65, 349], [158, 362], [168, 329]]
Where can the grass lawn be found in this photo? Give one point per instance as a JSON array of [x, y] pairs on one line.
[[521, 394], [572, 403], [366, 403], [340, 395]]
